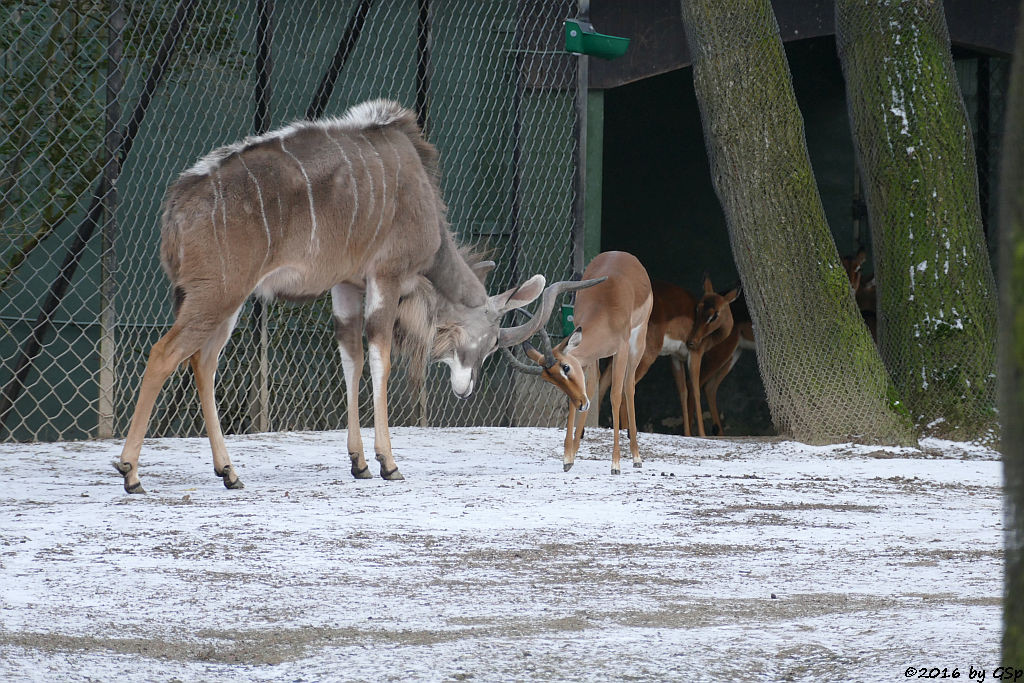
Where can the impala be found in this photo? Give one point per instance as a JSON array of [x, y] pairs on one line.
[[349, 205], [611, 320], [712, 325], [864, 290], [668, 329]]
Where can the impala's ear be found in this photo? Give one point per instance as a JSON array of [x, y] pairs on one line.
[[708, 289], [732, 295], [573, 340], [482, 269], [521, 295]]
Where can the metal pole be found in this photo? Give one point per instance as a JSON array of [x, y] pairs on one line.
[[981, 150], [580, 176], [260, 125], [345, 46], [422, 62], [579, 204], [108, 249], [422, 112]]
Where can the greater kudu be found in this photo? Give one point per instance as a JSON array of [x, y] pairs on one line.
[[351, 205]]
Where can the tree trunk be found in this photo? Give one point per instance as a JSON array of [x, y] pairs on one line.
[[937, 307], [824, 380], [1011, 355]]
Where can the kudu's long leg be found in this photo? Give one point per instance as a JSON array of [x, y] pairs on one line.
[[347, 302], [166, 354], [204, 368], [679, 374], [381, 308]]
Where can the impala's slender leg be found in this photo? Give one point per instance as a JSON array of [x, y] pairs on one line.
[[381, 307], [694, 367], [204, 368], [570, 445], [347, 301], [711, 392], [619, 365], [711, 389], [679, 373], [582, 422], [629, 388]]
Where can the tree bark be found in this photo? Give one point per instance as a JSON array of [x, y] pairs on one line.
[[824, 379], [1011, 356], [937, 306]]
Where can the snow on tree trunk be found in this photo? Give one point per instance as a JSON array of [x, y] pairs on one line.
[[937, 307], [825, 381], [1011, 355]]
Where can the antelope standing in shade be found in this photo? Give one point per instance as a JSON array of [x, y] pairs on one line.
[[670, 325], [712, 326], [349, 205], [611, 320]]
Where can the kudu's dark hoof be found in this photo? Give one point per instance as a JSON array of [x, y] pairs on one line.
[[225, 474], [615, 471], [123, 468], [363, 473], [566, 466], [389, 475], [638, 464]]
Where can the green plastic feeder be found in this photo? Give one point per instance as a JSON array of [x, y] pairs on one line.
[[582, 39], [568, 324]]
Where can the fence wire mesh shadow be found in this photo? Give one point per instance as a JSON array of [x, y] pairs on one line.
[[136, 93]]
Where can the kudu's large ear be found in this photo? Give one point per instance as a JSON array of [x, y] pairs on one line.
[[519, 296]]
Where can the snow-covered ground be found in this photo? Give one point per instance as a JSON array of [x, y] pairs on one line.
[[723, 559]]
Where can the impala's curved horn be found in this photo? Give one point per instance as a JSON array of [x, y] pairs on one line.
[[545, 345], [545, 340], [510, 336], [527, 368]]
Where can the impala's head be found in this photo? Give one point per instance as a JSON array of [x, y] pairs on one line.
[[852, 265], [559, 367], [712, 315]]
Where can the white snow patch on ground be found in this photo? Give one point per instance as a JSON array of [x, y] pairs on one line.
[[722, 558]]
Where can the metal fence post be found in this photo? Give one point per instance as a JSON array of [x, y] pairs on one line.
[[579, 200], [261, 123], [108, 236]]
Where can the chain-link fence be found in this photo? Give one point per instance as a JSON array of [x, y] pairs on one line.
[[101, 95]]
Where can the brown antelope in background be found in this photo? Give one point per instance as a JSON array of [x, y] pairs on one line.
[[712, 325], [349, 205], [864, 290], [611, 321], [669, 327]]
